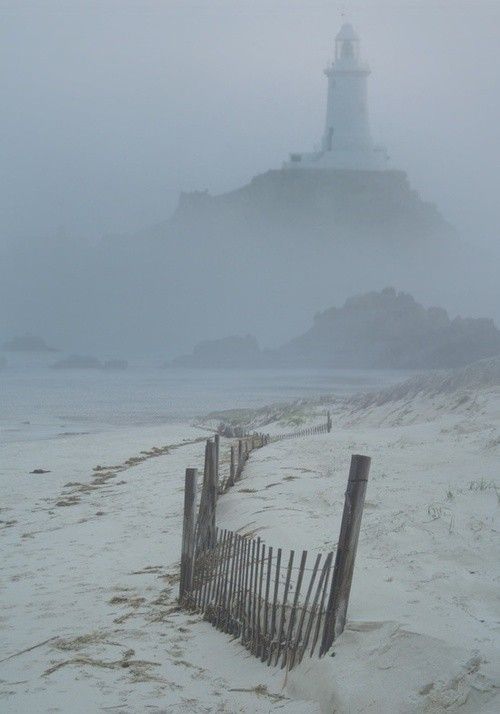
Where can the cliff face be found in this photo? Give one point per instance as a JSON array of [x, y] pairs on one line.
[[391, 330], [339, 205]]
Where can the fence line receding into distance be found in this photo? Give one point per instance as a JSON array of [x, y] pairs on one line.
[[281, 604]]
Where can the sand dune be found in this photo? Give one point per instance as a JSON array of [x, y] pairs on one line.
[[89, 576]]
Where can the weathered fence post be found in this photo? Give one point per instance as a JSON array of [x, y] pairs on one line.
[[328, 422], [231, 468], [201, 531], [212, 492], [208, 501], [338, 601], [240, 452], [188, 530], [217, 448]]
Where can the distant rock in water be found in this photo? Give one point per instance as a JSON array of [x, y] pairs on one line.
[[115, 364], [28, 343], [390, 330], [378, 330], [234, 351], [78, 362]]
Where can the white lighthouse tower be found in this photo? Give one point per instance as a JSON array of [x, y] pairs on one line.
[[346, 142]]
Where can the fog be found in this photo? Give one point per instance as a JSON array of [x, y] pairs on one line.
[[112, 108]]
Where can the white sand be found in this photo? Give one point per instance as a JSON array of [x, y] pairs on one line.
[[423, 619]]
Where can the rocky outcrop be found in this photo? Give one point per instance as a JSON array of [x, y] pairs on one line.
[[234, 351], [28, 343], [378, 330], [390, 330], [339, 205], [78, 362], [87, 362], [115, 364]]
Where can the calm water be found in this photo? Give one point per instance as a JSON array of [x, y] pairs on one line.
[[38, 402]]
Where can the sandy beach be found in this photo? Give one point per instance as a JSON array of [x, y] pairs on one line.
[[250, 357], [91, 548]]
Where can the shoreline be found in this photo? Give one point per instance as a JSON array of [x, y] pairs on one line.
[[39, 403], [95, 578]]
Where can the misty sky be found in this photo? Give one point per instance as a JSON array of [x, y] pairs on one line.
[[111, 107]]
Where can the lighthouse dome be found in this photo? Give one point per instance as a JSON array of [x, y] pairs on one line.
[[346, 32]]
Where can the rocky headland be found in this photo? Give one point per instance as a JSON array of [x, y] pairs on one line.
[[339, 205]]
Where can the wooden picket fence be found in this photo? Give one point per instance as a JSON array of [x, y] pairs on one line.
[[319, 429], [280, 609]]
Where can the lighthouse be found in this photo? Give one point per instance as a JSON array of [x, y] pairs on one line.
[[346, 142]]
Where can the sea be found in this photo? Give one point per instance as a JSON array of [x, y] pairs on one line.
[[38, 402]]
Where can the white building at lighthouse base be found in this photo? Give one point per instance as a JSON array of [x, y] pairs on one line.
[[342, 158]]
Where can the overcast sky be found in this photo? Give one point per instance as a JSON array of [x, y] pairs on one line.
[[111, 107]]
